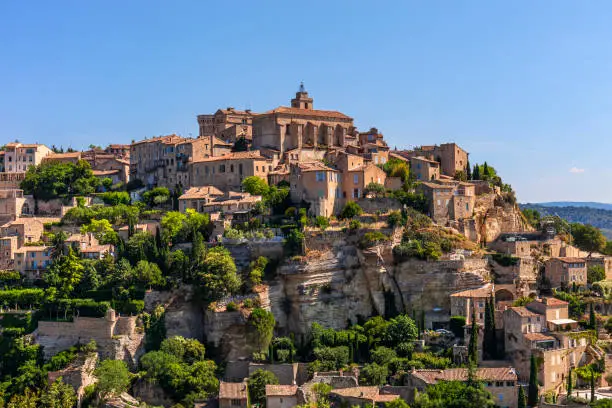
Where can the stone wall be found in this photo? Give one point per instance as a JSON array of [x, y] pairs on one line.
[[384, 204]]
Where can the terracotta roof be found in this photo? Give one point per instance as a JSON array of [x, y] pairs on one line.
[[398, 156], [234, 156], [314, 166], [307, 112], [169, 139], [97, 248], [201, 192], [281, 390], [369, 393], [481, 292], [29, 248], [523, 311], [118, 146], [217, 141], [104, 172], [461, 374], [60, 156], [437, 186], [228, 390], [571, 260], [386, 397], [537, 337], [551, 301], [421, 158]]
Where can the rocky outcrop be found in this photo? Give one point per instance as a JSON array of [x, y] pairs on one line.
[[151, 394], [78, 375]]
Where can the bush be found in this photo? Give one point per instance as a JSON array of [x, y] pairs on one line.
[[394, 219], [354, 225], [372, 238], [350, 210], [457, 323], [115, 198], [231, 307], [322, 222], [505, 259]]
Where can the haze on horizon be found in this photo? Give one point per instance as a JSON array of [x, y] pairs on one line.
[[522, 85]]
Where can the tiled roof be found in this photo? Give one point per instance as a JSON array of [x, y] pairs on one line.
[[201, 192], [461, 374], [537, 337], [281, 390], [105, 172], [59, 156], [97, 248], [421, 158], [217, 141], [368, 393], [551, 301], [228, 390], [314, 166], [169, 139], [481, 292], [234, 156], [523, 311], [386, 397], [437, 186], [571, 260], [307, 112]]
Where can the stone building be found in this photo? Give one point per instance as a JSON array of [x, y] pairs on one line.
[[373, 146], [300, 125], [465, 302], [228, 171], [227, 124], [233, 395], [115, 166], [12, 205], [209, 199], [318, 185], [424, 169], [164, 161], [281, 396], [449, 201], [356, 173], [451, 157], [566, 272], [502, 382], [18, 156]]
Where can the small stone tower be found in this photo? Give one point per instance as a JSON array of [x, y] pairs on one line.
[[301, 100]]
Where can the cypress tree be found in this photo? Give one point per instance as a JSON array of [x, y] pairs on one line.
[[473, 344], [488, 340], [476, 172], [532, 396], [570, 384], [422, 320], [522, 399], [468, 171], [485, 171], [592, 384], [592, 320]]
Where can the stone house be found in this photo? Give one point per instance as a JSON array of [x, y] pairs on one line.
[[12, 205], [465, 302], [286, 128], [10, 180], [149, 227], [356, 174], [8, 246], [109, 165], [227, 124], [120, 151], [196, 197], [363, 396], [228, 171], [449, 200], [230, 202], [451, 157], [28, 230], [32, 261], [566, 272], [424, 169], [281, 396], [18, 156], [501, 382], [164, 161], [69, 157], [373, 146], [603, 261], [318, 185], [233, 395]]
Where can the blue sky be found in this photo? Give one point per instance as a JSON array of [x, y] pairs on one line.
[[524, 85]]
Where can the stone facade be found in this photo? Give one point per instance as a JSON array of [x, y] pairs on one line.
[[424, 169], [566, 272], [228, 171], [451, 157], [227, 124], [318, 185], [18, 157]]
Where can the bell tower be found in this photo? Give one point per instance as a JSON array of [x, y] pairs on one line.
[[301, 100]]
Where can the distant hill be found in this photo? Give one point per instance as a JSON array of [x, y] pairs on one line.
[[589, 204], [597, 214]]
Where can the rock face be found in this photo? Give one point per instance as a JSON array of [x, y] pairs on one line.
[[78, 375]]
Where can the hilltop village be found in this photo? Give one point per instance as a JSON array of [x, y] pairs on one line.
[[284, 259]]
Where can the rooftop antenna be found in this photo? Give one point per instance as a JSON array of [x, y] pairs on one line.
[[302, 89]]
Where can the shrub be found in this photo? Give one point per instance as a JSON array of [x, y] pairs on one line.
[[372, 238], [457, 323], [115, 198], [350, 210], [394, 219], [354, 225], [505, 259], [322, 222], [231, 307]]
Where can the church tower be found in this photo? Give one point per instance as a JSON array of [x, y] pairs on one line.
[[301, 100]]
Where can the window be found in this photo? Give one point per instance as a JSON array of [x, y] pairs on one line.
[[499, 384], [321, 193], [320, 176], [256, 168], [356, 193], [222, 168], [356, 178], [509, 384], [231, 168], [235, 402]]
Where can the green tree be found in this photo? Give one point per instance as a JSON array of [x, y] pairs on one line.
[[374, 374], [52, 179], [322, 222], [570, 383], [376, 189], [473, 344], [401, 329], [29, 399], [65, 274], [457, 323], [533, 392], [102, 230], [455, 394], [58, 395], [596, 273], [588, 238], [489, 341], [397, 403], [522, 398], [218, 273], [113, 378], [350, 210], [172, 224], [255, 185], [592, 317], [257, 386], [148, 274], [321, 392], [397, 168], [156, 196], [187, 350], [263, 322]]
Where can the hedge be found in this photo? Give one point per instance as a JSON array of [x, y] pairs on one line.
[[22, 297], [74, 307]]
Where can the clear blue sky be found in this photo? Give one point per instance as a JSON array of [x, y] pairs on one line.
[[525, 85]]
